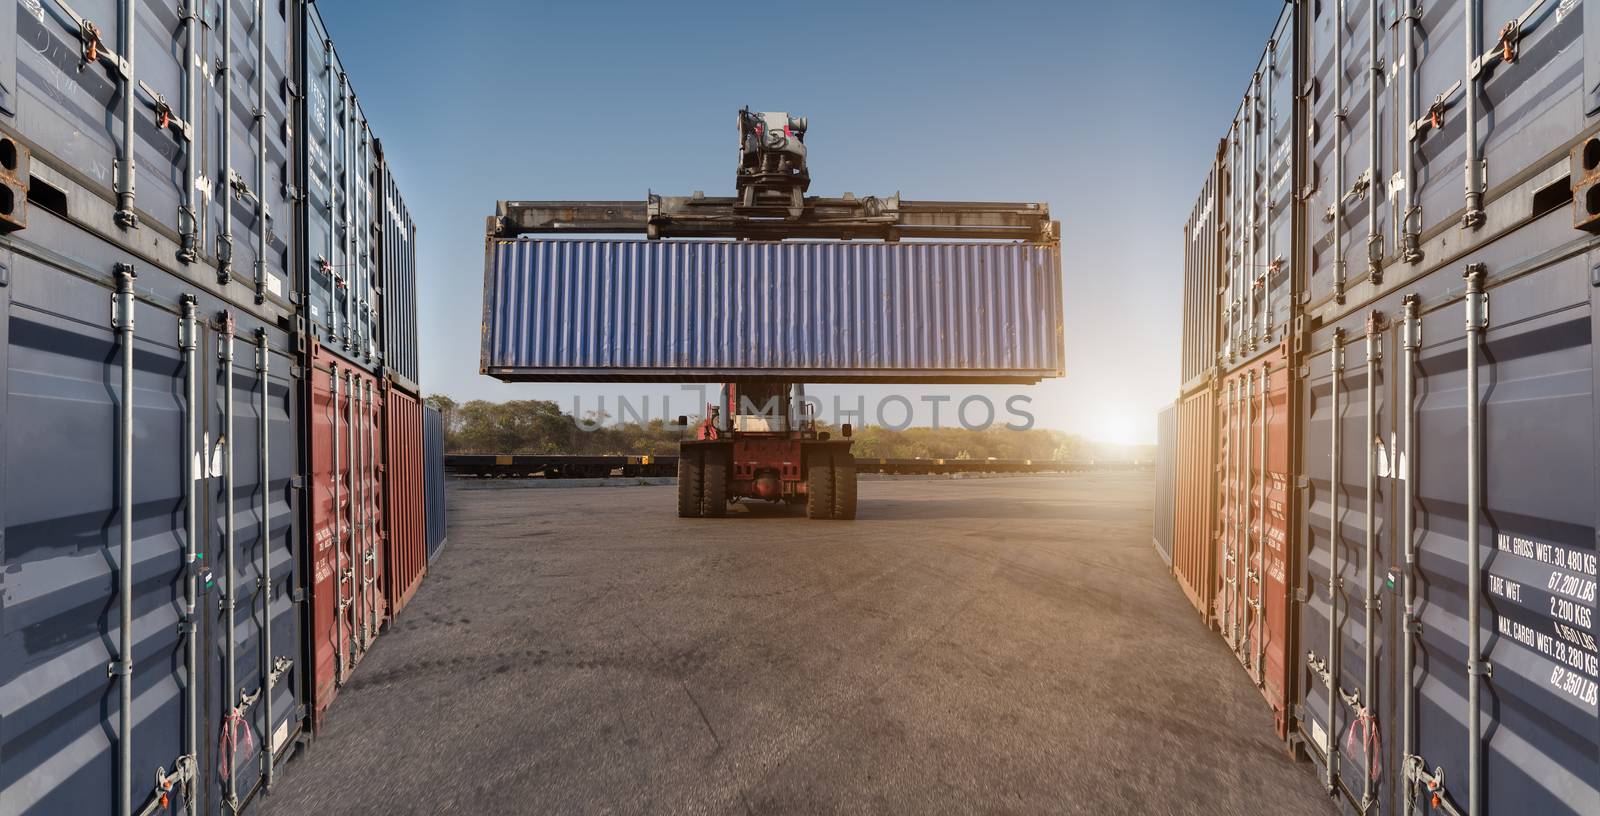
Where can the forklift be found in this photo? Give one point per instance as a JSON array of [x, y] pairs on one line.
[[761, 440]]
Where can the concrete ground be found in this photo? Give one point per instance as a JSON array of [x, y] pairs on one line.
[[999, 646]]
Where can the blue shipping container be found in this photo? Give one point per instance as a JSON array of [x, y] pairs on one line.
[[211, 452], [433, 478], [707, 311]]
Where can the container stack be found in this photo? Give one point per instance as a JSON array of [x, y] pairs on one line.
[[180, 220], [1385, 460]]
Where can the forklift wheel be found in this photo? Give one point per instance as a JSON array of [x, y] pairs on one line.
[[844, 486], [691, 475], [819, 485], [714, 483]]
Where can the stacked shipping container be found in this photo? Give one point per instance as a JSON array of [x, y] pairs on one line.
[[161, 420], [1389, 509], [433, 479], [1166, 432]]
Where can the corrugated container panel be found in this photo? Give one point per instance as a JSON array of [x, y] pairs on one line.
[[814, 312], [191, 221], [348, 599], [237, 199], [1530, 109], [343, 297], [59, 580], [433, 480], [1253, 556], [1350, 182], [1166, 460], [398, 268], [1194, 542], [1256, 205], [405, 541], [1402, 219], [1201, 306], [1540, 725]]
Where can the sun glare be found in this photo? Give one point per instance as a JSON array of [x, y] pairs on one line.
[[1121, 427]]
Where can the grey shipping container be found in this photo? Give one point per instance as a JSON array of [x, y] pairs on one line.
[[433, 479], [397, 265], [1256, 205], [1202, 254], [339, 216], [707, 311], [1505, 94], [152, 148], [1444, 483], [149, 454], [1450, 456], [1166, 480]]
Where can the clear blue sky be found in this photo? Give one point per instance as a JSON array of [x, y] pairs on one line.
[[1108, 112]]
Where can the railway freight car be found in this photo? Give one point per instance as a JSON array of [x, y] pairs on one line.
[[1420, 450]]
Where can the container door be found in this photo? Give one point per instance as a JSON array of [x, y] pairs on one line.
[[1194, 509], [433, 445], [60, 601], [347, 596], [1273, 639], [252, 457], [1529, 107], [406, 556], [324, 257], [1200, 282], [331, 633], [60, 552], [1281, 150], [1165, 437], [397, 266], [372, 513], [1349, 210], [1536, 602], [1347, 439], [1233, 456], [1253, 556], [71, 111]]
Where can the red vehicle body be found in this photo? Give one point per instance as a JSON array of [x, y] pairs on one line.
[[772, 452]]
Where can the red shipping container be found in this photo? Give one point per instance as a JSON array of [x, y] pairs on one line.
[[406, 545], [349, 605], [1251, 606], [1194, 500]]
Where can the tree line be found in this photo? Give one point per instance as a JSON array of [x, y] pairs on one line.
[[541, 427]]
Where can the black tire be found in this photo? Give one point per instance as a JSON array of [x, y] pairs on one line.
[[819, 484], [714, 483], [690, 475], [844, 485]]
